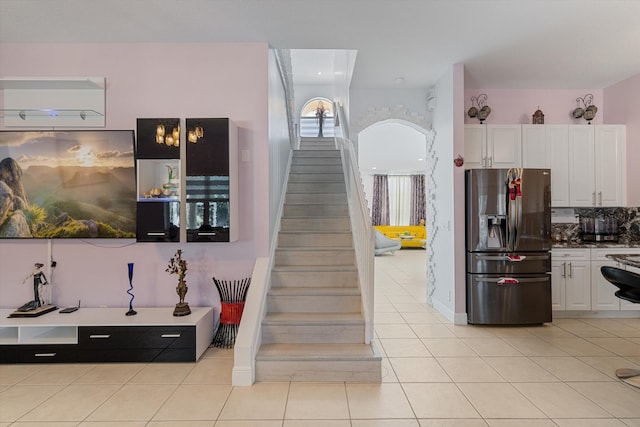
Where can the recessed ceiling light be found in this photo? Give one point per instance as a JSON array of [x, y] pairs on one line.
[[319, 73], [420, 160], [398, 80], [373, 167]]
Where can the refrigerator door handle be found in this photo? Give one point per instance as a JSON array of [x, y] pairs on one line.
[[506, 280], [511, 258]]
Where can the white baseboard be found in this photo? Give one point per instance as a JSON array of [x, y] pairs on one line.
[[242, 376]]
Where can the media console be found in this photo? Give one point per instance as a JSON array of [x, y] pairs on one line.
[[106, 335]]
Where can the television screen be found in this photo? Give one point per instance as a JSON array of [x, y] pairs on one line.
[[67, 184]]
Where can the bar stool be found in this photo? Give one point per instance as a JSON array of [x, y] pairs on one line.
[[628, 284], [232, 297]]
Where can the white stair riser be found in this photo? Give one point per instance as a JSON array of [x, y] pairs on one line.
[[317, 155], [313, 303], [319, 146], [314, 278], [315, 240], [322, 333], [316, 199], [315, 169], [318, 224], [363, 371], [291, 210], [316, 187], [316, 177], [312, 257]]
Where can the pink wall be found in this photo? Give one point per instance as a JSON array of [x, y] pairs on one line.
[[621, 106], [517, 106], [153, 80]]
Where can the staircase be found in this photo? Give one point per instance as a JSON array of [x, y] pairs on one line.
[[314, 329]]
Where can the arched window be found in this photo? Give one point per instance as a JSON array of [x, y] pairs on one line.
[[317, 112]]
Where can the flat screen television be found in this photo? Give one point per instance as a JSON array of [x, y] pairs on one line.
[[67, 184]]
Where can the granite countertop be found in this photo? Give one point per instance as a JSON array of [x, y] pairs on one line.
[[594, 245], [631, 260]]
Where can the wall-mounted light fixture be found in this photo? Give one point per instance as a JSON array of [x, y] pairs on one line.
[[587, 111], [195, 134], [480, 110], [172, 139]]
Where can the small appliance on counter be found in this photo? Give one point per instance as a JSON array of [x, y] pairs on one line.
[[599, 229]]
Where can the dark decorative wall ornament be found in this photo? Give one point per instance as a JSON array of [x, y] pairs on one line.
[[587, 111], [538, 117], [479, 107]]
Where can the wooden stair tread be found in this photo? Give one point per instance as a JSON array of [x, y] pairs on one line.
[[313, 318], [321, 351], [314, 291]]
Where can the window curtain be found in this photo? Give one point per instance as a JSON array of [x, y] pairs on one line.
[[399, 200], [380, 201], [418, 199]]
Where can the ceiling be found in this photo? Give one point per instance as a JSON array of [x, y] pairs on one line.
[[510, 44]]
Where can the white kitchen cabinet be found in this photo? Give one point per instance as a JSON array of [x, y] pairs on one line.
[[597, 165], [570, 279], [602, 292], [547, 146], [492, 146]]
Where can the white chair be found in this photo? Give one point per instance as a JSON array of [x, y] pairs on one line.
[[385, 244]]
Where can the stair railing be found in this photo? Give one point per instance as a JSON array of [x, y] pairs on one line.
[[363, 237]]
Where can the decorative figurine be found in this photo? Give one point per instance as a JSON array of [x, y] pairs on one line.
[[131, 311], [538, 117], [39, 305], [179, 266]]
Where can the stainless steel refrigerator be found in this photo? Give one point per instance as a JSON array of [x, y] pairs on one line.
[[508, 242]]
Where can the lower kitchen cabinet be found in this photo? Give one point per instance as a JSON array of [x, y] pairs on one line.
[[570, 279], [602, 292]]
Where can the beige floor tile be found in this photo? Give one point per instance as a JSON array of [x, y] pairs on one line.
[[194, 402], [609, 364], [113, 424], [548, 330], [110, 373], [404, 347], [385, 423], [619, 399], [499, 400], [386, 400], [217, 352], [491, 347], [73, 403], [609, 422], [13, 374], [635, 422], [414, 318], [133, 402], [43, 424], [520, 369], [412, 307], [448, 347], [534, 346], [252, 423], [420, 370], [388, 374], [470, 331], [382, 318], [469, 370], [398, 330], [211, 371], [20, 399], [180, 424], [438, 400], [56, 373], [558, 400], [570, 369], [309, 401], [619, 346], [316, 423], [432, 330], [521, 422], [509, 331], [453, 423], [163, 373], [578, 346], [266, 400]]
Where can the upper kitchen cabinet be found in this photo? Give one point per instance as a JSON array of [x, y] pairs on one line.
[[211, 180], [547, 146], [597, 165], [492, 146]]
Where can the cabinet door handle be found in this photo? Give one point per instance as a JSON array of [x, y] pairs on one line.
[[45, 354], [155, 233], [570, 271], [207, 233], [600, 198], [593, 198], [490, 161], [564, 270], [170, 335], [99, 336]]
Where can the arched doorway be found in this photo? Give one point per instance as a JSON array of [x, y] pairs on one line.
[[311, 118]]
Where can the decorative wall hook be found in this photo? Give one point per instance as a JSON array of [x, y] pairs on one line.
[[588, 112], [458, 161]]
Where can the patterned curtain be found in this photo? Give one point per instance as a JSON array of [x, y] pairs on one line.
[[380, 201], [418, 199]]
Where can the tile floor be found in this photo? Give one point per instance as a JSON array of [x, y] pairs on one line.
[[434, 374]]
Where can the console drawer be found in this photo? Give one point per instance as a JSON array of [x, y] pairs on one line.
[[44, 353]]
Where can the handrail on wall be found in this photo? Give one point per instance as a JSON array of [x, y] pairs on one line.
[[363, 236]]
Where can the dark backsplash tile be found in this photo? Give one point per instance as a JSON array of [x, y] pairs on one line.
[[628, 220]]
